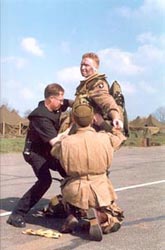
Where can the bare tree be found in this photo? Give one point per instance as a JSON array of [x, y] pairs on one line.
[[160, 114]]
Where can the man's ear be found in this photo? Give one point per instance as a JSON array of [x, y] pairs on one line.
[[95, 69], [95, 66]]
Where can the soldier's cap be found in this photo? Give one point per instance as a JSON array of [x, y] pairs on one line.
[[83, 114]]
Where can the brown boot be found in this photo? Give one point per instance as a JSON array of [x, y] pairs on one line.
[[114, 226], [70, 224], [111, 229], [95, 231]]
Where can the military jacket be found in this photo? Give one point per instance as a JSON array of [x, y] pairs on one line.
[[96, 88]]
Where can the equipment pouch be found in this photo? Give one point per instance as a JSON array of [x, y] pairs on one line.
[[27, 148]]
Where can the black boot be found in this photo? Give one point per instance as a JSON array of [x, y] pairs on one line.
[[16, 220]]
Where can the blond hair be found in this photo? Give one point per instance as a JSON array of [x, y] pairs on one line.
[[93, 56]]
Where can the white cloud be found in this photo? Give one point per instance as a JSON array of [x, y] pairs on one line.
[[26, 94], [31, 45], [18, 62], [10, 85], [128, 88], [67, 75], [151, 6], [142, 62], [149, 53], [9, 89], [140, 73], [69, 78], [120, 62], [128, 68], [147, 88], [149, 9], [150, 38], [13, 86], [147, 37], [162, 41]]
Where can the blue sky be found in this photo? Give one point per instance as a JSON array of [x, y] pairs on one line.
[[42, 42]]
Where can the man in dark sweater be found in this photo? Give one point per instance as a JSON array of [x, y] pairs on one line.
[[42, 134]]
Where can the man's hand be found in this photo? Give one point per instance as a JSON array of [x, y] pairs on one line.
[[59, 137], [118, 124]]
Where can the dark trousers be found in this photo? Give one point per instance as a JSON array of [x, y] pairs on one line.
[[41, 168]]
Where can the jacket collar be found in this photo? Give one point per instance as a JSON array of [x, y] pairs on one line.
[[80, 130]]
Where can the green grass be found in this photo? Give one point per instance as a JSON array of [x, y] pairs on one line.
[[160, 138], [8, 145], [136, 139]]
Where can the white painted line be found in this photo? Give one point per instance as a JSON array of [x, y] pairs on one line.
[[140, 185], [5, 214], [117, 189]]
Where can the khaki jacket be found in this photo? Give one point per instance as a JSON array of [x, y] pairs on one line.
[[97, 89], [86, 157]]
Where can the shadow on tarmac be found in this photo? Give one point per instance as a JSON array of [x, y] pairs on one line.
[[142, 220], [33, 217], [9, 203]]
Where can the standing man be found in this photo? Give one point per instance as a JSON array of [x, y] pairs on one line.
[[96, 88], [87, 191], [42, 134]]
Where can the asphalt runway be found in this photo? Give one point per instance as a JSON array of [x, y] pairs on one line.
[[138, 175]]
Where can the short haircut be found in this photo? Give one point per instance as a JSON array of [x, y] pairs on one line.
[[53, 89], [92, 56]]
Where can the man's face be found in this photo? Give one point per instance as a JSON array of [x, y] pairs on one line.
[[57, 101], [88, 67]]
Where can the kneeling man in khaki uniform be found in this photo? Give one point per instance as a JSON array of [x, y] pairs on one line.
[[88, 194]]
